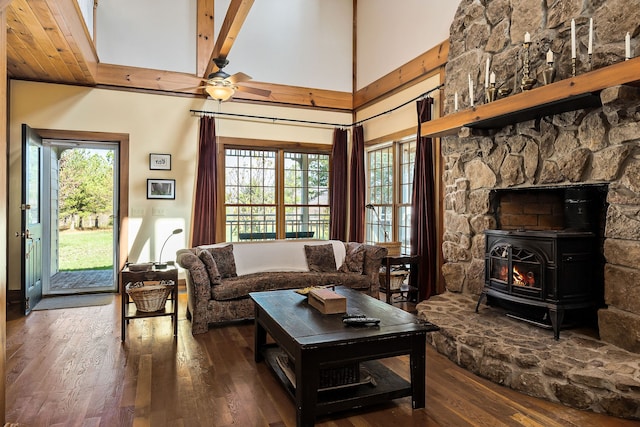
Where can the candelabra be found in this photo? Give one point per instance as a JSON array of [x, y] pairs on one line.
[[590, 62], [490, 92], [527, 81], [573, 67]]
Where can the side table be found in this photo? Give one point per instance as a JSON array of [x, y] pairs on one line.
[[388, 263], [128, 309]]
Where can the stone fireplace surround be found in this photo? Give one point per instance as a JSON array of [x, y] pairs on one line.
[[599, 145]]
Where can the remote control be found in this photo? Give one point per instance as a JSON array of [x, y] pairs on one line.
[[353, 316], [361, 321]]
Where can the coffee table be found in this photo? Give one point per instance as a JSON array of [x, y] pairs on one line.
[[316, 343]]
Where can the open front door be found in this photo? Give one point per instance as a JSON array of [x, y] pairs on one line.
[[32, 263]]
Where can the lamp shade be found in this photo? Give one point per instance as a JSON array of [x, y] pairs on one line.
[[220, 92]]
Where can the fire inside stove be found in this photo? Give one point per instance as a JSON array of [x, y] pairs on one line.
[[523, 270]]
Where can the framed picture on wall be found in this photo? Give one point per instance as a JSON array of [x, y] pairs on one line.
[[161, 188], [160, 161]]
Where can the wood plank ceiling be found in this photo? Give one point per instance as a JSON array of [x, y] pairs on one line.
[[47, 41]]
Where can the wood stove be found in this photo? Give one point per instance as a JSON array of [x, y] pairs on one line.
[[550, 272]]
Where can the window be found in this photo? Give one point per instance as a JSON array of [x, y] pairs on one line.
[[257, 180], [390, 187]]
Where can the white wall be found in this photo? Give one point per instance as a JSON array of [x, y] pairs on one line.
[[294, 42], [157, 34], [155, 124], [390, 34], [86, 7]]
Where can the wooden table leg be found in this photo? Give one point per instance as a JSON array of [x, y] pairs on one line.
[[259, 339], [307, 373], [418, 365]]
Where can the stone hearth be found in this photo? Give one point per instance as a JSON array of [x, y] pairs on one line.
[[579, 370]]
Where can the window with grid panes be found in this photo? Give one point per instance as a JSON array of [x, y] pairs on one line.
[[390, 187], [255, 182]]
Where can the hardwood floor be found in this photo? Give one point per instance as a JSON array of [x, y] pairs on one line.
[[69, 368]]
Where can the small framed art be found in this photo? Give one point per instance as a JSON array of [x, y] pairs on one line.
[[160, 161], [161, 188]]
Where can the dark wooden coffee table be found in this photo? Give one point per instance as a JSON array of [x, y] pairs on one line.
[[316, 343]]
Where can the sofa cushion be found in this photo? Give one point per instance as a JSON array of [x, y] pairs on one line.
[[225, 261], [240, 286], [354, 260], [320, 258], [211, 266]]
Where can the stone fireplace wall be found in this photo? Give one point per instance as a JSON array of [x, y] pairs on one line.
[[594, 146]]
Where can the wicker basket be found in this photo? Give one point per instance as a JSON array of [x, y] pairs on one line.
[[149, 297]]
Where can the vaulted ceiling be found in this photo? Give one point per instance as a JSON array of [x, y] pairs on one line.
[[48, 42]]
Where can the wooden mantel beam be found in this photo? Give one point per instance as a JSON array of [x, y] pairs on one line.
[[236, 14], [625, 72]]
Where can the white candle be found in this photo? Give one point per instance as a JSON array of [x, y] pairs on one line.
[[549, 56], [492, 78], [455, 102], [573, 38], [486, 75], [627, 46], [590, 48], [527, 37], [470, 90]]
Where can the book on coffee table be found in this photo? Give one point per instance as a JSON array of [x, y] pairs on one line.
[[327, 301]]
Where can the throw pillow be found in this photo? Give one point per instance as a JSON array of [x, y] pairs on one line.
[[320, 258], [354, 260], [225, 261], [211, 266]]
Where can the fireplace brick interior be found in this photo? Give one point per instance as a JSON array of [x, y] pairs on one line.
[[530, 211]]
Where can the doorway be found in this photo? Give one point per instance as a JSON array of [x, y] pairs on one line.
[[27, 269], [80, 231]]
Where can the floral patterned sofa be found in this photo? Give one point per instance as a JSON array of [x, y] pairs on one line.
[[219, 277]]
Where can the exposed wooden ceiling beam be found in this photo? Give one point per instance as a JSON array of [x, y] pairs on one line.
[[158, 80], [205, 28], [145, 78], [236, 14]]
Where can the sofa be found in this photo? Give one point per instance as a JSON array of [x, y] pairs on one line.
[[220, 277]]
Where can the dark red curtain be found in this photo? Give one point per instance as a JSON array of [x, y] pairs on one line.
[[423, 221], [338, 203], [357, 186], [204, 208]]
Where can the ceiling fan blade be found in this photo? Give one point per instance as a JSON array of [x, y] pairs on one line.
[[238, 78], [254, 90]]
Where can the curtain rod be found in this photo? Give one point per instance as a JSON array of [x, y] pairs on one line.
[[342, 125]]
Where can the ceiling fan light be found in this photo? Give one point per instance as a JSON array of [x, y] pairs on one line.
[[220, 93]]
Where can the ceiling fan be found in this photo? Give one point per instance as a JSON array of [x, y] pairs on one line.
[[221, 86]]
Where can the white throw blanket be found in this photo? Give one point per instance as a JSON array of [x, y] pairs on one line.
[[277, 255]]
